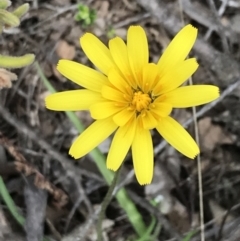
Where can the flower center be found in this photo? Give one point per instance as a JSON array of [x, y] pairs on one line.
[[140, 101]]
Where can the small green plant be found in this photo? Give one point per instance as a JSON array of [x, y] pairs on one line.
[[85, 15]]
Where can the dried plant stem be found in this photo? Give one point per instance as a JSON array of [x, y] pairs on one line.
[[104, 205], [199, 166]]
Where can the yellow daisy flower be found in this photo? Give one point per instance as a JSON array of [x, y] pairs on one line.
[[130, 96]]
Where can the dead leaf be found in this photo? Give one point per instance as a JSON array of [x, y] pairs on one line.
[[218, 212], [179, 217], [104, 8], [211, 135], [6, 78], [65, 50], [58, 74], [162, 182], [41, 99]]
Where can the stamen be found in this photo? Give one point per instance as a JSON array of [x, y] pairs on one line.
[[153, 105], [130, 108], [140, 101]]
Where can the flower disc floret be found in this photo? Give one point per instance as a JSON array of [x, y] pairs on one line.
[[140, 101]]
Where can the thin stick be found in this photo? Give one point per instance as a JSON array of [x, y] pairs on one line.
[[199, 166], [199, 169], [104, 205]]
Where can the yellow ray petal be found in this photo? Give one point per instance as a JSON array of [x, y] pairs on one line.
[[97, 52], [92, 137], [148, 120], [178, 137], [122, 141], [176, 77], [72, 100], [113, 94], [82, 75], [189, 96], [104, 109], [150, 77], [178, 49], [123, 116], [161, 109], [137, 47], [142, 152], [119, 82], [119, 54]]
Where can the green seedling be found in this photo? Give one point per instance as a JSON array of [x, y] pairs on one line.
[[85, 15]]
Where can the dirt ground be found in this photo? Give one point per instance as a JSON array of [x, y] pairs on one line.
[[58, 196]]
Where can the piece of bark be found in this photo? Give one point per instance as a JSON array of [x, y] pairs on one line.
[[36, 200]]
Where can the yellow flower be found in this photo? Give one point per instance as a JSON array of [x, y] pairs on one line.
[[131, 96]]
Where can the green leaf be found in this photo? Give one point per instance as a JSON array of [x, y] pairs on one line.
[[4, 4], [9, 18], [20, 11], [16, 62]]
